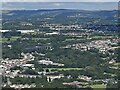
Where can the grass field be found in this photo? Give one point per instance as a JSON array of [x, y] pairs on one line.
[[63, 69], [82, 39], [102, 37], [98, 87], [117, 64], [37, 39], [9, 39], [15, 38]]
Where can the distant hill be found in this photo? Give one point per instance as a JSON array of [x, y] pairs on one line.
[[14, 14], [14, 18]]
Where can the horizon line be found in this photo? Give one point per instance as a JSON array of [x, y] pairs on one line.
[[60, 9]]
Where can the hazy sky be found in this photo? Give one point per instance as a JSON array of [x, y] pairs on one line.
[[61, 5], [60, 0]]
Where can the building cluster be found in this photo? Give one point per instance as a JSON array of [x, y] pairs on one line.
[[102, 45], [48, 62], [85, 78], [50, 78], [6, 65], [22, 31], [18, 86], [26, 24], [29, 76], [61, 26], [76, 83]]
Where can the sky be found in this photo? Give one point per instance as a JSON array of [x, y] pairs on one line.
[[60, 4], [60, 0]]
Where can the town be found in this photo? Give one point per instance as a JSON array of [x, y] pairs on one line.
[[71, 50]]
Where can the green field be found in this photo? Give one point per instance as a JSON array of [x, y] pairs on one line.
[[82, 39], [100, 86], [64, 69], [12, 39], [117, 64], [102, 37], [9, 39], [37, 39]]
